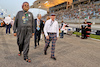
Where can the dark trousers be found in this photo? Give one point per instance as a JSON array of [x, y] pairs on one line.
[[23, 40], [62, 34], [37, 37], [84, 33], [8, 27]]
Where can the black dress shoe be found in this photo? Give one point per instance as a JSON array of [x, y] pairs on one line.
[[45, 52], [53, 58]]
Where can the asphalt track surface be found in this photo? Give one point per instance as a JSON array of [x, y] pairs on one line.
[[71, 51]]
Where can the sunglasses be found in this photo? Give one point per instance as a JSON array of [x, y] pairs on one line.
[[26, 5]]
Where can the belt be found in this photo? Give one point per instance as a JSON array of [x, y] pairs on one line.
[[52, 33]]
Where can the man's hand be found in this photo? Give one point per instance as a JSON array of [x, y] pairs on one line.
[[47, 37], [15, 34], [33, 34]]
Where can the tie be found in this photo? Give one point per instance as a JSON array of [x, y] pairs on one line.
[[38, 25]]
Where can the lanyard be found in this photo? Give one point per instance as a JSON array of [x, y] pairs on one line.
[[25, 17], [51, 23], [25, 13]]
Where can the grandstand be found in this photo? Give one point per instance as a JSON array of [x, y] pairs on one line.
[[72, 11], [46, 4]]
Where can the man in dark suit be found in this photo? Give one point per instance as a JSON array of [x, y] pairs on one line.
[[38, 29]]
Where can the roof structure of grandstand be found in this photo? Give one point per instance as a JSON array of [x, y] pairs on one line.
[[46, 4]]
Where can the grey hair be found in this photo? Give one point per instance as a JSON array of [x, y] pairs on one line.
[[38, 15]]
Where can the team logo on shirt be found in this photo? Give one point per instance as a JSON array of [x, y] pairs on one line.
[[24, 19]]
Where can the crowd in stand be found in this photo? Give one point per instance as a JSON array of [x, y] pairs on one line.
[[89, 11]]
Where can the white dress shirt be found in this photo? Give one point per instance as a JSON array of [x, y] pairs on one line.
[[7, 20], [38, 24], [51, 27], [38, 21]]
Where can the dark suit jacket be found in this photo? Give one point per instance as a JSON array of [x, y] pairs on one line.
[[41, 26]]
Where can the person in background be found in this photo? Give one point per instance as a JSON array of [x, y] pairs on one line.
[[7, 21], [51, 31], [12, 23], [38, 29], [24, 29], [43, 23], [84, 29], [66, 25], [48, 18], [62, 29], [42, 34], [3, 21]]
